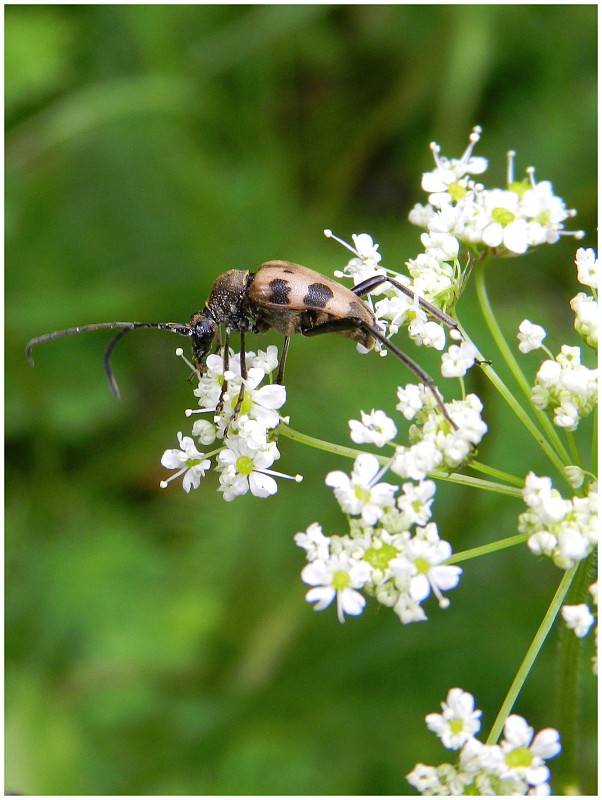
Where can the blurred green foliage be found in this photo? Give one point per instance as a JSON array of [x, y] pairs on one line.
[[159, 643]]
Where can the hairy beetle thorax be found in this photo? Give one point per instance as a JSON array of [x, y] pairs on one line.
[[226, 303]]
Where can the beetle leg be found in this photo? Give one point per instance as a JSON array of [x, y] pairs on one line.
[[349, 323], [226, 362], [377, 280], [243, 376], [283, 354]]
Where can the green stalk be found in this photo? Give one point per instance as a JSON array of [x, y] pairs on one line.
[[560, 456], [496, 473], [352, 452], [487, 549], [569, 659], [531, 655]]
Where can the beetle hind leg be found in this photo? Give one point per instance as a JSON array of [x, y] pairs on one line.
[[349, 323]]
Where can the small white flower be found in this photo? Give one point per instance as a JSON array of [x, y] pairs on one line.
[[243, 468], [411, 400], [426, 332], [416, 501], [204, 431], [375, 428], [578, 618], [267, 360], [530, 336], [409, 610], [366, 248], [524, 754], [549, 504], [415, 462], [365, 263], [456, 362], [422, 561], [360, 494], [188, 461], [442, 245], [340, 577], [253, 433], [262, 404], [313, 541], [586, 318], [447, 183], [425, 779], [587, 267], [459, 721]]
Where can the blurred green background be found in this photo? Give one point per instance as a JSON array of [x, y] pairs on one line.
[[159, 643]]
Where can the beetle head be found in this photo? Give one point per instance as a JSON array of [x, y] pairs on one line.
[[202, 328]]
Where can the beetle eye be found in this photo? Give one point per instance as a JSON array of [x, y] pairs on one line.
[[204, 329]]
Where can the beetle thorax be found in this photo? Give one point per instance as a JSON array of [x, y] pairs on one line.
[[226, 303]]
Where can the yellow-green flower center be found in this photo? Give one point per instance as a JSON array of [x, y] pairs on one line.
[[192, 462], [456, 725], [422, 565], [363, 495], [379, 557], [520, 187], [521, 757], [244, 465], [502, 215], [340, 580], [456, 190]]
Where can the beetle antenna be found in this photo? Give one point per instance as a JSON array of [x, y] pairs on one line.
[[175, 327], [413, 366]]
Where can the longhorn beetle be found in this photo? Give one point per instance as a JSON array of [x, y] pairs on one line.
[[280, 296]]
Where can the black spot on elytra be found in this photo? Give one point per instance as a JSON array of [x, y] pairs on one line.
[[317, 295], [279, 292]]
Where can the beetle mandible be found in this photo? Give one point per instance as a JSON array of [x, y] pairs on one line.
[[281, 296]]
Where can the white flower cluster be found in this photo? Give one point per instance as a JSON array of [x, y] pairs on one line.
[[434, 443], [508, 221], [564, 530], [579, 619], [585, 305], [381, 556], [435, 277], [245, 446], [515, 766], [566, 387], [563, 385]]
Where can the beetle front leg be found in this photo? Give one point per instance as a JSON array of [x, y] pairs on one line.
[[226, 363], [243, 376], [283, 354]]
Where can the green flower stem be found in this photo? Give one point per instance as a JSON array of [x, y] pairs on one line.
[[570, 651], [560, 457], [531, 655], [352, 452], [496, 473], [576, 458], [320, 444], [487, 549]]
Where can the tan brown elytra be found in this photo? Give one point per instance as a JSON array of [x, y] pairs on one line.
[[281, 296]]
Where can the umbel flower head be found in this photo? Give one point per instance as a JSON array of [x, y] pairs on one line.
[[515, 766], [510, 221], [564, 530], [244, 446], [563, 385], [392, 551]]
